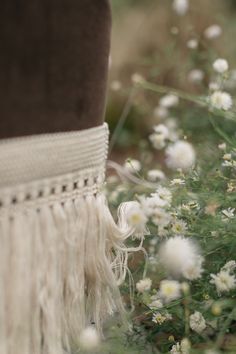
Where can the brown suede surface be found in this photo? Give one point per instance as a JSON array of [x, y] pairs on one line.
[[53, 65]]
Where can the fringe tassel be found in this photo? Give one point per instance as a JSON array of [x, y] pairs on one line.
[[60, 268]]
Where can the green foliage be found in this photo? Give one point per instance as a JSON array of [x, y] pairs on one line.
[[204, 201]]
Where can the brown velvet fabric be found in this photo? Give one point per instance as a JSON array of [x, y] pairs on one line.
[[53, 65]]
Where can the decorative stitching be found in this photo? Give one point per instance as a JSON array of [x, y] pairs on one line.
[[85, 180]]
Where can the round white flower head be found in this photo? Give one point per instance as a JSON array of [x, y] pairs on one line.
[[132, 216], [222, 146], [192, 43], [220, 65], [155, 175], [144, 285], [224, 281], [214, 86], [213, 31], [178, 254], [89, 339], [169, 290], [161, 218], [181, 6], [197, 322], [158, 141], [150, 204], [165, 195], [161, 112], [161, 129], [169, 101], [137, 78], [115, 85], [194, 271], [196, 76], [221, 100], [229, 266], [156, 304], [132, 165], [180, 155]]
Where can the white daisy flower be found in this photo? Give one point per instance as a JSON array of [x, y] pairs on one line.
[[221, 100], [161, 219], [179, 227], [132, 216], [158, 318], [229, 213], [229, 266], [169, 290], [144, 285], [223, 281], [197, 322], [150, 204], [165, 195], [220, 65], [177, 182], [156, 304]]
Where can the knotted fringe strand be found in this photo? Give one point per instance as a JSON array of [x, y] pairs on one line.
[[60, 268]]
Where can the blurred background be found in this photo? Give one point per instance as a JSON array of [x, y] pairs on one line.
[[170, 48]]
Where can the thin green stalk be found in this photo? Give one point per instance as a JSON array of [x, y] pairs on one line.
[[220, 338], [186, 316], [187, 97], [165, 89], [122, 119]]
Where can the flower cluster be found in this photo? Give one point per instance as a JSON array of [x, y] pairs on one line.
[[180, 194]]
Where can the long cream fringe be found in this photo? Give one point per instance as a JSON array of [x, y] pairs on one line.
[[60, 267]]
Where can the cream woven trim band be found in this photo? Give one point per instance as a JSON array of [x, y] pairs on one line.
[[52, 165]]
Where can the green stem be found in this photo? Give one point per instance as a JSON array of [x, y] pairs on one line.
[[220, 338], [122, 119], [165, 89], [186, 316], [187, 97]]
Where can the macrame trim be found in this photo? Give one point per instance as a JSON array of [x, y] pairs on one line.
[[62, 256]]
